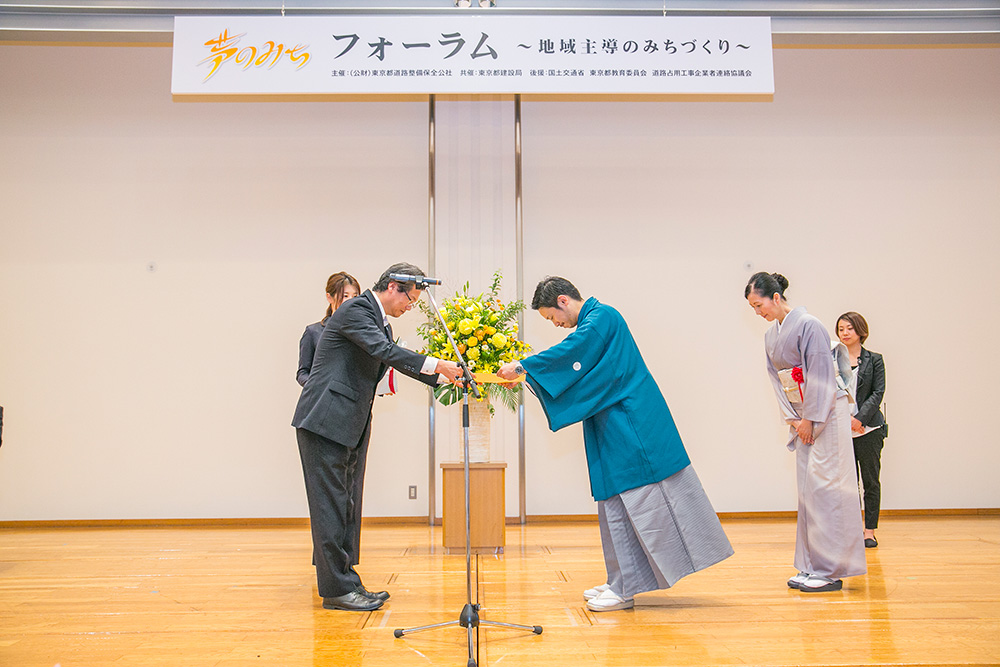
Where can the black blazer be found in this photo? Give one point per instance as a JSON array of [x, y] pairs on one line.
[[871, 388], [307, 350], [353, 353]]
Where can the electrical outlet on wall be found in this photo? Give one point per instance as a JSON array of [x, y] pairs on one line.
[[413, 492]]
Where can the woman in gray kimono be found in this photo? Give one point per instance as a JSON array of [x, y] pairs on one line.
[[828, 540]]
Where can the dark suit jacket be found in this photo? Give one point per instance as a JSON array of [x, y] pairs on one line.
[[871, 388], [307, 350], [353, 353]]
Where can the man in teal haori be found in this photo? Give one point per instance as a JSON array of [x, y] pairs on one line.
[[657, 524]]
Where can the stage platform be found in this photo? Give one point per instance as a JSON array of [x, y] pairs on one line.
[[245, 595]]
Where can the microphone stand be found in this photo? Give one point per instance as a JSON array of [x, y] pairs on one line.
[[468, 618]]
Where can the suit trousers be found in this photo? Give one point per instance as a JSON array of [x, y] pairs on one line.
[[868, 454], [334, 477], [357, 495]]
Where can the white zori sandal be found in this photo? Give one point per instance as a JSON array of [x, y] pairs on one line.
[[592, 593], [609, 601]]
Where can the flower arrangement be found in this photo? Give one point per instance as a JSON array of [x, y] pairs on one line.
[[485, 332]]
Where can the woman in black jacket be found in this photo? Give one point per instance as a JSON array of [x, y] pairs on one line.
[[340, 287], [868, 424]]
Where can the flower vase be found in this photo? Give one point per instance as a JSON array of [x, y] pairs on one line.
[[479, 432]]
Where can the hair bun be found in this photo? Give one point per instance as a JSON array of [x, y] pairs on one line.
[[781, 280]]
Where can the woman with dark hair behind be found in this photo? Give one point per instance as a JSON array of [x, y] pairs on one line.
[[814, 404], [868, 423], [340, 287]]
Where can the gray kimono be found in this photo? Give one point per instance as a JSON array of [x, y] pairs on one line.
[[829, 536]]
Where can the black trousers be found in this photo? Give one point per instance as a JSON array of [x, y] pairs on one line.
[[868, 454], [334, 477]]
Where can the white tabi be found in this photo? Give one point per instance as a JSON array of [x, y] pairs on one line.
[[829, 537]]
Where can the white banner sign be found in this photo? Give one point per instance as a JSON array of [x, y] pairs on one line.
[[471, 54]]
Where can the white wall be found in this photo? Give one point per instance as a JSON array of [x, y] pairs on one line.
[[870, 181], [131, 393]]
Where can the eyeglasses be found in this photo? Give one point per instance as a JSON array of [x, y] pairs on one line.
[[409, 298]]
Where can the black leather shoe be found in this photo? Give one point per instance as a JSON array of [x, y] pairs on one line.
[[870, 543], [353, 601], [380, 595]]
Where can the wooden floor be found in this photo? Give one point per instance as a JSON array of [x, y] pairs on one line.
[[246, 596]]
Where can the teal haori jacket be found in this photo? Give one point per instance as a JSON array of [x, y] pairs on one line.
[[596, 375]]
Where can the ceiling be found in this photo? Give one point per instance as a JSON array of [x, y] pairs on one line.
[[794, 22]]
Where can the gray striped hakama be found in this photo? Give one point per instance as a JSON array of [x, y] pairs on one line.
[[656, 534]]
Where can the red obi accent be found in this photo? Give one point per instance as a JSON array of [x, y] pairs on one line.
[[799, 378]]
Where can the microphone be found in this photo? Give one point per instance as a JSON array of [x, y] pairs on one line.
[[421, 281]]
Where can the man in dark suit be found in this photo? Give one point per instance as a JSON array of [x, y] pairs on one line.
[[333, 425]]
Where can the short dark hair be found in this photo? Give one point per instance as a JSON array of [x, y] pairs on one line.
[[766, 285], [857, 321], [403, 267], [551, 288]]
